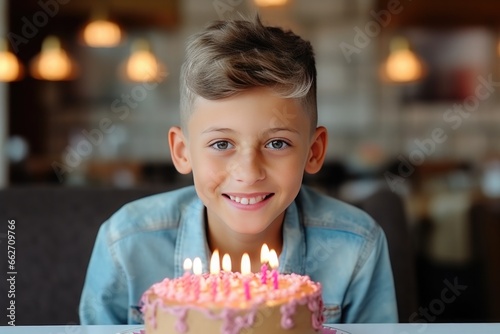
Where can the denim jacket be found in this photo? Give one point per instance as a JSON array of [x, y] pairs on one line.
[[332, 242]]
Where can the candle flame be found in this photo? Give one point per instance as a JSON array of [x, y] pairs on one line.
[[273, 259], [188, 264], [264, 254], [226, 263], [197, 266], [245, 264], [215, 263]]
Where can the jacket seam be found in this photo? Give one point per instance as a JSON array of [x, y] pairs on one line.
[[366, 251]]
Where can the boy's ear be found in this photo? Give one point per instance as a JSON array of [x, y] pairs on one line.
[[317, 151], [179, 150]]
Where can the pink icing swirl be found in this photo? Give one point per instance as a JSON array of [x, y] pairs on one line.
[[287, 313]]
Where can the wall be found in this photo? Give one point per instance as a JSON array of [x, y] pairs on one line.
[[3, 104], [368, 120]]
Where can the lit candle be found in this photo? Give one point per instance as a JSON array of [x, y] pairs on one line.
[[274, 263], [188, 264], [197, 270], [226, 263], [264, 259], [226, 266], [215, 263], [214, 271], [245, 271]]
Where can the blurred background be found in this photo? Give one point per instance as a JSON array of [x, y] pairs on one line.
[[409, 91]]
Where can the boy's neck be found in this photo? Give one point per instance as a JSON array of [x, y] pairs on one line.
[[237, 244]]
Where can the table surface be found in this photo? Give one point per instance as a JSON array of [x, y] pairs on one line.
[[417, 328]]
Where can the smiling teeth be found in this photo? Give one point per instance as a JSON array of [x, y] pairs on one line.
[[246, 201]]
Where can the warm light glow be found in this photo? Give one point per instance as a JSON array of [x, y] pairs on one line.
[[197, 267], [142, 65], [102, 33], [498, 48], [264, 254], [10, 68], [273, 259], [215, 263], [270, 3], [245, 264], [402, 65], [226, 263], [52, 63], [188, 264]]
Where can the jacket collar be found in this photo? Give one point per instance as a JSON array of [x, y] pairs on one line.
[[293, 256], [192, 240]]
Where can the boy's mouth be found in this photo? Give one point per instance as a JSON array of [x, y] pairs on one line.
[[248, 200]]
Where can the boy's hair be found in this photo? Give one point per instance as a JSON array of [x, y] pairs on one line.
[[232, 56]]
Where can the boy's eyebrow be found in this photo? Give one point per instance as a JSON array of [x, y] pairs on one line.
[[228, 130], [215, 129], [274, 130]]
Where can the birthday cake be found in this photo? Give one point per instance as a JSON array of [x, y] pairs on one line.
[[234, 303]]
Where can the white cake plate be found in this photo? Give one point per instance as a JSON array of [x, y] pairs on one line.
[[325, 330]]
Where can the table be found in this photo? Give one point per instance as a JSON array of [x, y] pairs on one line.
[[417, 328]]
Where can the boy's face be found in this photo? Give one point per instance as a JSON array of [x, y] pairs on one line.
[[248, 154]]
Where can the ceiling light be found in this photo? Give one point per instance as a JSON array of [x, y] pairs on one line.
[[53, 63], [10, 67], [270, 3], [402, 64], [100, 32], [142, 65]]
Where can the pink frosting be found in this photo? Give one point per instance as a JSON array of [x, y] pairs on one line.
[[295, 289]]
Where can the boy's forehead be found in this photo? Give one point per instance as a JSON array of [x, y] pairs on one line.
[[261, 98], [264, 109]]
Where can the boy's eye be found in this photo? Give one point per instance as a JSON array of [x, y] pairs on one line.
[[277, 144], [221, 145]]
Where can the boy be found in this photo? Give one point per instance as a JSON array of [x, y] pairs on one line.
[[248, 132]]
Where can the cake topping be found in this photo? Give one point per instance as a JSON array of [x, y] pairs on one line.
[[234, 297]]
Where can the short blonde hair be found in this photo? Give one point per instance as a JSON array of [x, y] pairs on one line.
[[228, 57]]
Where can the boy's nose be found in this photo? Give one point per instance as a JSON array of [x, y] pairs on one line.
[[248, 167]]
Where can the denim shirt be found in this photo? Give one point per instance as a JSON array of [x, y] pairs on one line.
[[332, 242]]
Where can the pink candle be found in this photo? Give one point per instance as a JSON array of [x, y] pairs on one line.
[[214, 272], [196, 287], [215, 281], [246, 284], [274, 263], [263, 273], [264, 259], [227, 284], [188, 264], [197, 270], [245, 271], [226, 266], [275, 279]]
